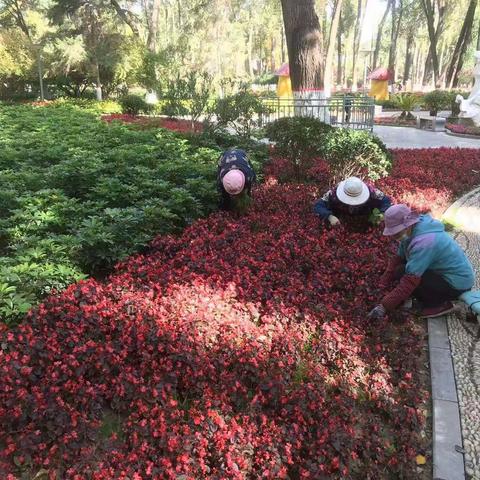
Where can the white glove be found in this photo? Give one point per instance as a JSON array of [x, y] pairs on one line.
[[333, 220]]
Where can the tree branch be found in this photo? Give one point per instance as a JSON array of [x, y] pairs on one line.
[[126, 16]]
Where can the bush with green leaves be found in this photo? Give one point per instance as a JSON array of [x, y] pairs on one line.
[[98, 107], [243, 112], [437, 100], [176, 98], [300, 140], [222, 140], [387, 104], [406, 102], [356, 153], [77, 195], [134, 104]]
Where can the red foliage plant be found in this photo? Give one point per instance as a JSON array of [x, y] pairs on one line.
[[239, 350], [150, 122]]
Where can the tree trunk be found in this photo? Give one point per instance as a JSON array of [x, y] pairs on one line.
[[126, 17], [179, 14], [304, 44], [433, 35], [99, 83], [40, 74], [250, 50], [478, 37], [153, 26], [331, 47], [408, 58], [339, 51], [397, 14], [283, 44], [356, 41], [463, 41], [378, 42], [272, 54]]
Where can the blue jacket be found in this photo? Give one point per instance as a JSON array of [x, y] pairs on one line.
[[431, 248], [330, 204]]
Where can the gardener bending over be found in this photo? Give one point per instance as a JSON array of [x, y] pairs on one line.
[[351, 197], [235, 178], [430, 265]]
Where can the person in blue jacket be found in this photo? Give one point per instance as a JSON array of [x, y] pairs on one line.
[[429, 264], [352, 197], [235, 178]]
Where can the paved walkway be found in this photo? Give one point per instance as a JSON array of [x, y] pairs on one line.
[[405, 137], [464, 336]]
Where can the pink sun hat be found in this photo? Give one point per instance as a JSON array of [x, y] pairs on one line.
[[234, 182], [398, 218]]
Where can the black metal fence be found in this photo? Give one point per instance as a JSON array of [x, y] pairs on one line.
[[349, 112]]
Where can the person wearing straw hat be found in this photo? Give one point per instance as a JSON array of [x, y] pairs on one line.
[[429, 265], [351, 197], [235, 178]]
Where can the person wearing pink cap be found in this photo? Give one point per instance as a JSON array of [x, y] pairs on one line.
[[429, 266], [235, 178], [351, 198]]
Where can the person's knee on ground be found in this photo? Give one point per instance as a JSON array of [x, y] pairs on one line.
[[436, 271]]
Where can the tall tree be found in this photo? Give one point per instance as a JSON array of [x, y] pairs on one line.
[[14, 13], [397, 12], [433, 34], [304, 44], [361, 6], [378, 41], [478, 36], [339, 49], [337, 8], [463, 41]]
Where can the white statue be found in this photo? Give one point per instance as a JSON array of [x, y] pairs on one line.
[[470, 108]]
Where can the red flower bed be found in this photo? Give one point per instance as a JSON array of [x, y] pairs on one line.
[[239, 350], [427, 179], [394, 121], [463, 130], [154, 122], [430, 179]]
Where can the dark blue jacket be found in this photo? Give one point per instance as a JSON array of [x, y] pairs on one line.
[[330, 204]]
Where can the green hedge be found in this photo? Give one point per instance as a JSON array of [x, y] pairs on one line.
[[77, 195]]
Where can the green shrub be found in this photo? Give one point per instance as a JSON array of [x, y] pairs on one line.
[[356, 152], [134, 104], [299, 139], [387, 104], [437, 100], [406, 102], [77, 195], [221, 140], [94, 106], [176, 98], [243, 112]]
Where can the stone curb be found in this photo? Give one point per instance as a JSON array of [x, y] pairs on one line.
[[450, 214], [396, 126], [448, 461], [462, 135]]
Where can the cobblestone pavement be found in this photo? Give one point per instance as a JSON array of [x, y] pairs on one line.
[[465, 336]]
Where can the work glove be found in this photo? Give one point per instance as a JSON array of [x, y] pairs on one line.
[[378, 312], [333, 220]]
